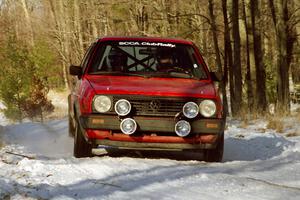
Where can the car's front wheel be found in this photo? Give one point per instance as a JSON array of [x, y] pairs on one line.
[[71, 128], [216, 154], [81, 147]]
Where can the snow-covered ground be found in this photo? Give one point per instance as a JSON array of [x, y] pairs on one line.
[[258, 164]]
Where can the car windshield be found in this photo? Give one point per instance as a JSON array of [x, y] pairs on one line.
[[147, 59]]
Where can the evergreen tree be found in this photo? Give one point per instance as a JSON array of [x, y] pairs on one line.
[[22, 88]]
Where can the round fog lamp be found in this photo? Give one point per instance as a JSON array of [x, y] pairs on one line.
[[122, 107], [190, 110], [128, 126], [182, 128]]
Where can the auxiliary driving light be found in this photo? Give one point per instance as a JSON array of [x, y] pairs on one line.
[[182, 128], [190, 110], [128, 126], [122, 107]]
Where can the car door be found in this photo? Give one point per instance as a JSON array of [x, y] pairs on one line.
[[75, 92]]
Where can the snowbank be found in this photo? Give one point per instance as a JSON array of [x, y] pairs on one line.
[[60, 101], [45, 139]]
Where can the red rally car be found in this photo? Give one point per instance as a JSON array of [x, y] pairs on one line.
[[148, 94]]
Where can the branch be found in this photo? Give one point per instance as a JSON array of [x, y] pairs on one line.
[[22, 155], [271, 3], [294, 13], [189, 15], [182, 15], [292, 25]]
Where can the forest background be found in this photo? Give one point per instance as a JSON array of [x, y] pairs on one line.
[[255, 44]]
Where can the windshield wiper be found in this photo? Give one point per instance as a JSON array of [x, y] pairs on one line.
[[182, 75], [134, 74], [117, 73], [157, 74]]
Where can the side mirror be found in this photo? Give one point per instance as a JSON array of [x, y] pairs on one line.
[[75, 70], [216, 76]]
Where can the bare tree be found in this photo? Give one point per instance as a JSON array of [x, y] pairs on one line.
[[228, 59], [250, 96], [78, 33], [237, 70], [57, 12], [261, 103], [27, 22], [279, 11], [218, 57]]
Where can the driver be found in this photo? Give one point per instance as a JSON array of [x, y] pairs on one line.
[[116, 60], [165, 61]]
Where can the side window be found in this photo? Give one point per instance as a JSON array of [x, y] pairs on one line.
[[87, 56], [100, 62], [198, 68]]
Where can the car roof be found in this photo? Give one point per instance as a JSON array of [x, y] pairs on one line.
[[146, 39]]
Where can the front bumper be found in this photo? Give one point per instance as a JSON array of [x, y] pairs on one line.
[[152, 133], [154, 142]]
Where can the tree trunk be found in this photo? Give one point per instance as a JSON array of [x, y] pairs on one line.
[[94, 28], [61, 38], [261, 103], [237, 71], [78, 29], [141, 19], [172, 19], [280, 17], [228, 60], [250, 97], [217, 51], [27, 22]]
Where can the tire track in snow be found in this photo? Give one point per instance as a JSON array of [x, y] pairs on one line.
[[273, 184]]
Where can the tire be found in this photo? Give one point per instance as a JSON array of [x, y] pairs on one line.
[[215, 155], [71, 128], [82, 148]]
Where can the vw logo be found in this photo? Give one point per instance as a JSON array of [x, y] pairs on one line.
[[154, 105]]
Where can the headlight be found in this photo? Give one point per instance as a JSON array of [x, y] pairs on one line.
[[102, 103], [190, 110], [122, 107], [182, 128], [207, 108]]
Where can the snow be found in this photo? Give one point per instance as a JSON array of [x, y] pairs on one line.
[[257, 165], [60, 101], [3, 120]]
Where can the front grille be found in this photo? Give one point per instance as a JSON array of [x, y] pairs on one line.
[[154, 106]]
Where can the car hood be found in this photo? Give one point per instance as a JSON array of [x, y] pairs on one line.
[[152, 86]]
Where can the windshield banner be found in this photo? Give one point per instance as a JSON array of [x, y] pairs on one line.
[[130, 43]]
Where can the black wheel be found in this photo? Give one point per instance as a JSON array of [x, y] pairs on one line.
[[81, 147], [215, 155]]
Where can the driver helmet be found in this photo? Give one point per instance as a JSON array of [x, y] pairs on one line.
[[165, 60], [116, 60]]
